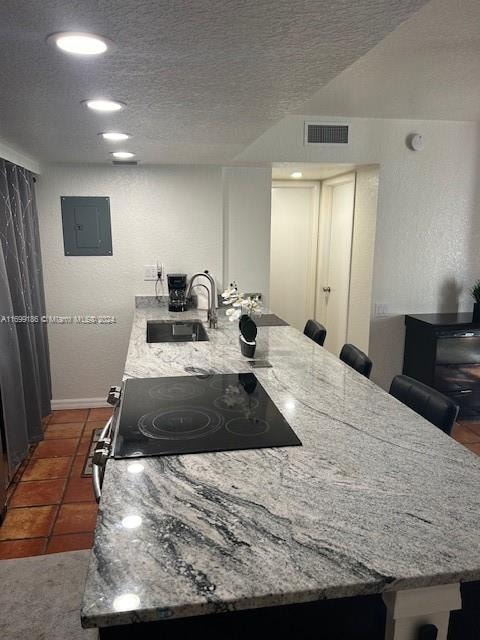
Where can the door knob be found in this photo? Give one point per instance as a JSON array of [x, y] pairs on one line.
[[327, 289]]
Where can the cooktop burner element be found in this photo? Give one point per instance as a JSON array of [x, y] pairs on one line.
[[235, 400], [175, 390], [197, 414], [245, 426], [180, 424]]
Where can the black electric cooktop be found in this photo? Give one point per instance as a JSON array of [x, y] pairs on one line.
[[196, 414]]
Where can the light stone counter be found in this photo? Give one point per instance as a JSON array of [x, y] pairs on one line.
[[376, 498]]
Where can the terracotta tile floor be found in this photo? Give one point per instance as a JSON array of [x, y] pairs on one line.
[[468, 434], [51, 507]]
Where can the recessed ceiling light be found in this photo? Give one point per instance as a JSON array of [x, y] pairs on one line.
[[123, 155], [296, 174], [105, 106], [79, 43], [115, 136]]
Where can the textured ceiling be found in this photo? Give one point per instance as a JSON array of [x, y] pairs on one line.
[[429, 68], [201, 79]]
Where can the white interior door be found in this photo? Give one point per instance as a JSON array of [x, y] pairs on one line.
[[294, 236], [333, 282]]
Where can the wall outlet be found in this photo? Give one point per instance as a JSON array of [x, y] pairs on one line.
[[150, 272]]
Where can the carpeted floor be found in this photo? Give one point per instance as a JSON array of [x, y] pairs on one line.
[[41, 596]]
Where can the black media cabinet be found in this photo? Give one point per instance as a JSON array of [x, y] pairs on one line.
[[443, 351]]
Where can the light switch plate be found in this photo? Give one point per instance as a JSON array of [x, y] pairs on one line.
[[381, 310], [150, 272]]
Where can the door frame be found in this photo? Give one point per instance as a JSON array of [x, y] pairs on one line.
[[311, 284], [324, 241]]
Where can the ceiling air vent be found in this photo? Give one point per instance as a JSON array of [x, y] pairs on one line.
[[120, 163], [326, 133]]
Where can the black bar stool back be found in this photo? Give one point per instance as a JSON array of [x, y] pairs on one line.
[[351, 355], [315, 331], [429, 403]]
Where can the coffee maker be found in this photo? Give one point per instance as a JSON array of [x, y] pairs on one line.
[[177, 289]]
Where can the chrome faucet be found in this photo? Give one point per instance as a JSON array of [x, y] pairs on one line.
[[212, 296]]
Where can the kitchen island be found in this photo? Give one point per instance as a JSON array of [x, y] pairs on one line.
[[377, 500]]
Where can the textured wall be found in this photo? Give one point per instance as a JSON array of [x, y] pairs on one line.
[[247, 227], [428, 222], [173, 213], [363, 245], [428, 233], [184, 216]]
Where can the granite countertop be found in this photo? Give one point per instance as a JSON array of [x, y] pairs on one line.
[[376, 498]]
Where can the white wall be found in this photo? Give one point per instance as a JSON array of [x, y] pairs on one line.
[[247, 197], [294, 249], [428, 222], [427, 236], [173, 213], [363, 247]]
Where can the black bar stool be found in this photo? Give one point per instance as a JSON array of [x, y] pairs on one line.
[[351, 355], [429, 403], [315, 331]]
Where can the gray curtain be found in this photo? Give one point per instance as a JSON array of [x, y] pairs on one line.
[[24, 358]]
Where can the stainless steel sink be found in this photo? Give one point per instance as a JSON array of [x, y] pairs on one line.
[[176, 331]]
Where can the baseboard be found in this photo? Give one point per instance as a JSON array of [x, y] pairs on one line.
[[79, 403]]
